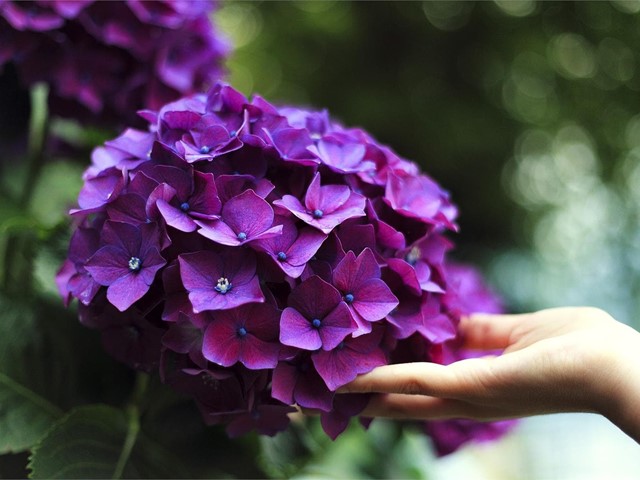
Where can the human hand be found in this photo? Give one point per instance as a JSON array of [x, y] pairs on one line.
[[557, 360]]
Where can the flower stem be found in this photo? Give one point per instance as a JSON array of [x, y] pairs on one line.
[[133, 423], [18, 245], [38, 132]]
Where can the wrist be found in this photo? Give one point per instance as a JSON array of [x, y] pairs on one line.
[[620, 400]]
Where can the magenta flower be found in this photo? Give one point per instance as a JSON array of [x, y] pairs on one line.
[[76, 280], [195, 198], [324, 207], [419, 197], [369, 299], [342, 157], [127, 263], [298, 382], [244, 218], [351, 357], [220, 281], [316, 318], [247, 334], [293, 248], [185, 337]]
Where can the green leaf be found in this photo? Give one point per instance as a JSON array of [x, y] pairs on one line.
[[99, 441], [288, 452], [24, 416], [26, 412]]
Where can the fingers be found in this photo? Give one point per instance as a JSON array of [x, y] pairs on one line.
[[418, 407], [459, 379], [491, 332]]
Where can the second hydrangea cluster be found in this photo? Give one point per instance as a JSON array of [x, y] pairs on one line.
[[262, 257], [112, 58]]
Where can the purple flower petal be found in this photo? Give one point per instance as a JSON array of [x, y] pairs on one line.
[[127, 290], [108, 264], [343, 364], [374, 300], [297, 331]]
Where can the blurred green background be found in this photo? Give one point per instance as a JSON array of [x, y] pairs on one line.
[[527, 112]]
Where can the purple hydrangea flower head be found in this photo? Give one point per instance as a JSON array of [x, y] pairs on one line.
[[260, 257], [111, 59]]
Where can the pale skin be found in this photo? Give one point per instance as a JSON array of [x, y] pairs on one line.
[[573, 359]]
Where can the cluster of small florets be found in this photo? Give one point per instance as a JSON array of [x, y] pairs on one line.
[[263, 257], [112, 58]]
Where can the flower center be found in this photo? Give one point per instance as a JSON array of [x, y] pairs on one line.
[[413, 256], [242, 332], [242, 236], [204, 150], [185, 206], [317, 213], [233, 133], [282, 256], [135, 264], [348, 298], [316, 323], [223, 285], [340, 345]]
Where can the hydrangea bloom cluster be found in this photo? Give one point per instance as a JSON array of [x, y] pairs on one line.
[[262, 257], [112, 57]]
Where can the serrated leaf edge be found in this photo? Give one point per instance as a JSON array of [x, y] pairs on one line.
[[56, 424]]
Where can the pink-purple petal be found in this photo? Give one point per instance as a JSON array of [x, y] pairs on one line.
[[297, 331]]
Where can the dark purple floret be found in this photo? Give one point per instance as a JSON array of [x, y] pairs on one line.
[[325, 207], [316, 318], [247, 334], [220, 281], [127, 262], [368, 297], [260, 257]]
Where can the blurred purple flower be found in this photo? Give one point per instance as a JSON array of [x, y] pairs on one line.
[[109, 59]]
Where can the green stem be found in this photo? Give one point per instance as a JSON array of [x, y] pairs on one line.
[[133, 423], [38, 132], [19, 246], [30, 396]]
